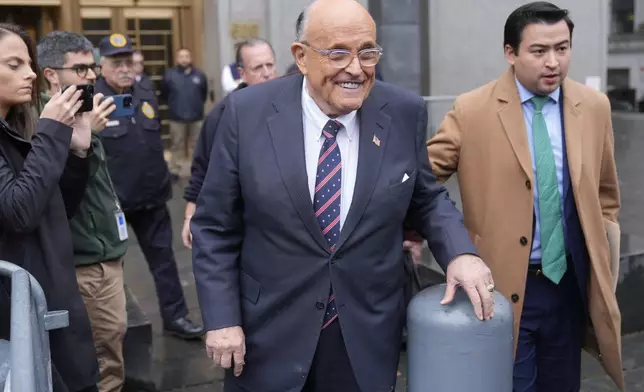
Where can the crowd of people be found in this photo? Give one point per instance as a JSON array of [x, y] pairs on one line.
[[305, 192]]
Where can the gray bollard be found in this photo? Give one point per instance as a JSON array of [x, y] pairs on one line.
[[450, 350]]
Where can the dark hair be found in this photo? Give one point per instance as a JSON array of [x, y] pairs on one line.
[[299, 26], [239, 60], [53, 48], [531, 13], [23, 118]]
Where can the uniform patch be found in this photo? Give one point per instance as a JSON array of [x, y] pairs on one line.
[[118, 40], [148, 110]]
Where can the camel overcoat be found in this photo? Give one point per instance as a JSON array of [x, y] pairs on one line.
[[484, 139]]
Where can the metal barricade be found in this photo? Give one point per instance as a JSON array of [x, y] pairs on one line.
[[29, 368], [437, 107]]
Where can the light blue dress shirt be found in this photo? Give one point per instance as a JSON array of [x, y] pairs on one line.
[[552, 114]]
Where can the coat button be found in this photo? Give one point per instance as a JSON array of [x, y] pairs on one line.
[[336, 259], [319, 305], [527, 184], [524, 241], [514, 298]]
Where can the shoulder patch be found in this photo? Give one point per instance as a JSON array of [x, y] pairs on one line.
[[148, 110]]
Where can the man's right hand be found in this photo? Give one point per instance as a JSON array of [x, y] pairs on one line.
[[227, 348], [98, 116], [186, 236]]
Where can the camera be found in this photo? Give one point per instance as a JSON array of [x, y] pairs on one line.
[[87, 97]]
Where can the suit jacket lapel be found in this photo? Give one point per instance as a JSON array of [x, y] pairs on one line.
[[511, 115], [573, 131], [287, 133], [373, 122]]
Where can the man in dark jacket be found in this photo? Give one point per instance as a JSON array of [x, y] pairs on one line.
[[141, 77], [142, 180], [99, 232], [256, 61], [185, 89]]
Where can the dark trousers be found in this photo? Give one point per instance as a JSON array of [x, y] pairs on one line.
[[153, 229], [90, 389], [331, 369], [548, 357]]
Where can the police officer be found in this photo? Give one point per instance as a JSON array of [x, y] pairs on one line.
[[142, 179]]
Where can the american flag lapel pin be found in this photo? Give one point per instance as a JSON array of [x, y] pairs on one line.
[[376, 141]]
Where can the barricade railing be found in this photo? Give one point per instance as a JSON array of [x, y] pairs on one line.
[[30, 357]]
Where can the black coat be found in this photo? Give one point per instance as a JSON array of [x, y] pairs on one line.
[[185, 94], [201, 156], [40, 186], [134, 152]]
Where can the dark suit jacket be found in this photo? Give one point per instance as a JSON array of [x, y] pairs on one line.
[[573, 233], [261, 261], [201, 155]]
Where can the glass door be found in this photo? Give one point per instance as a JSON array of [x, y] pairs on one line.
[[155, 35]]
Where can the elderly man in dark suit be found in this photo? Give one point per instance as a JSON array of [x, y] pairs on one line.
[[297, 238]]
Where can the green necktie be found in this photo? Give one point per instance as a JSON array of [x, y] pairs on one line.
[[553, 253]]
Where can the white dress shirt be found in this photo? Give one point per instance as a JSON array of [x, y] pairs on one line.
[[314, 121]]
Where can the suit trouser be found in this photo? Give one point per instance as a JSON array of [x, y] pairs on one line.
[[184, 138], [548, 357], [101, 286], [331, 369], [153, 229]]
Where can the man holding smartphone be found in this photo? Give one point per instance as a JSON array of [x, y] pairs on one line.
[[99, 239], [141, 176]]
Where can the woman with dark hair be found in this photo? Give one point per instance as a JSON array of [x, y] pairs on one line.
[[43, 172]]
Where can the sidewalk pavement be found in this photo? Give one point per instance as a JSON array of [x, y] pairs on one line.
[[181, 366]]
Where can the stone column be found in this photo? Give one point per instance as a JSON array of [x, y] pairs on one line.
[[70, 16]]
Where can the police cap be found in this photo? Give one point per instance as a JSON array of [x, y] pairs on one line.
[[115, 44]]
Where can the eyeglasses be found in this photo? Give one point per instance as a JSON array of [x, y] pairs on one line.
[[82, 69], [341, 58]]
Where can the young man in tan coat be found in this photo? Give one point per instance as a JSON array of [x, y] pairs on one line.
[[534, 155]]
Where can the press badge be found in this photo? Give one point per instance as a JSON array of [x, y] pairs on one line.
[[121, 224]]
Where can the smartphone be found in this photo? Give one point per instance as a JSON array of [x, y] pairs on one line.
[[87, 96], [124, 106]]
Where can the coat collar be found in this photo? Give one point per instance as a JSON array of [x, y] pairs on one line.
[[511, 115]]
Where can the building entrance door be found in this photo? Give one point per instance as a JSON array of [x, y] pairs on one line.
[[29, 18], [154, 32]]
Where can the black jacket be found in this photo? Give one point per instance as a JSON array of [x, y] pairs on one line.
[[134, 152], [146, 82], [40, 186], [184, 93], [201, 156]]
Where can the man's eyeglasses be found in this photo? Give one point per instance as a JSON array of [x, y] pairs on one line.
[[82, 69], [341, 58]]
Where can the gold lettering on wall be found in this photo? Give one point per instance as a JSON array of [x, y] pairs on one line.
[[244, 30]]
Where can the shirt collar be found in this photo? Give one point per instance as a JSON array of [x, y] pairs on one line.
[[527, 95], [313, 112]]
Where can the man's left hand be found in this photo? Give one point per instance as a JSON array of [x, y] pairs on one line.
[[474, 276], [102, 109]]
